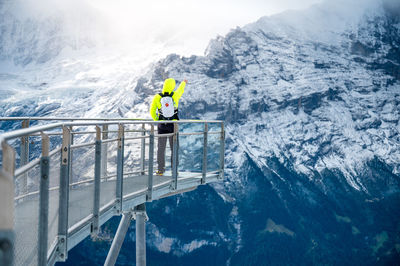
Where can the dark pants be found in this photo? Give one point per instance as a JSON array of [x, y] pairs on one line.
[[162, 144]]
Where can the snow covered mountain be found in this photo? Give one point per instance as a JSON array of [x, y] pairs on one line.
[[311, 101]]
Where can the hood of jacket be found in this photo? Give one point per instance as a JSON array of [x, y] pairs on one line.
[[169, 85]]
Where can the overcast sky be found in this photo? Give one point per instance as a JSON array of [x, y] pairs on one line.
[[172, 26], [188, 25]]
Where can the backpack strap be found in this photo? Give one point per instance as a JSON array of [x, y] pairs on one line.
[[166, 94], [174, 117]]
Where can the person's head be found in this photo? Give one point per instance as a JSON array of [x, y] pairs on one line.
[[169, 85]]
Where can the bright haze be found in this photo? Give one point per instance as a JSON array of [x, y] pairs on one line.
[[176, 26], [188, 25]]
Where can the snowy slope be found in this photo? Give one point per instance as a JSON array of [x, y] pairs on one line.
[[315, 94], [311, 101], [60, 58]]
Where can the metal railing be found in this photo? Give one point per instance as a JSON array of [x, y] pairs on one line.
[[61, 181]]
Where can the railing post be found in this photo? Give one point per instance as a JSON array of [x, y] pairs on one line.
[[97, 169], [24, 155], [151, 161], [104, 152], [120, 168], [143, 150], [175, 151], [43, 202], [71, 154], [64, 195], [7, 235], [222, 152], [204, 168]]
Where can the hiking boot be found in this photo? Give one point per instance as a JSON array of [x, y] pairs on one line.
[[160, 173]]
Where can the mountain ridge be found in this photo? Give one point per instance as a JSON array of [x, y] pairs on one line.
[[312, 142], [314, 125]]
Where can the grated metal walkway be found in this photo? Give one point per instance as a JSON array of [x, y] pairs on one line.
[[81, 206]]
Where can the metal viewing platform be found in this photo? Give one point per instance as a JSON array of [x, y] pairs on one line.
[[63, 178]]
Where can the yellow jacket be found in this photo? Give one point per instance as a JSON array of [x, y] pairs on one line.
[[169, 86]]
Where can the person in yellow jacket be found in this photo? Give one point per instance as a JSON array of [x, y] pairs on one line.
[[164, 107]]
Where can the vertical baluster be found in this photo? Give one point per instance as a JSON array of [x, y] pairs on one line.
[[71, 154], [64, 195], [43, 202], [104, 153], [205, 141], [175, 157], [120, 168], [151, 161], [143, 150], [222, 152], [97, 169], [24, 155]]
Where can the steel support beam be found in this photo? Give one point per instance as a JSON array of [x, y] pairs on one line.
[[64, 195], [97, 177], [118, 239], [141, 218], [43, 202], [120, 168], [151, 162], [205, 143], [7, 236]]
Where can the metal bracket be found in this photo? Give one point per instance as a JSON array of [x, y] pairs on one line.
[[140, 209], [61, 249], [65, 146], [121, 132]]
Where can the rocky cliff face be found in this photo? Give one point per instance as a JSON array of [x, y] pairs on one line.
[[311, 101]]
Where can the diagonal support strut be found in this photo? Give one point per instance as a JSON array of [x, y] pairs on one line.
[[139, 213]]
